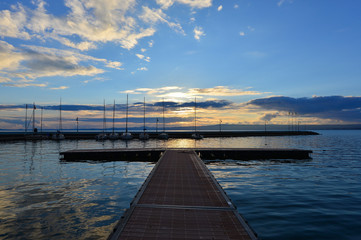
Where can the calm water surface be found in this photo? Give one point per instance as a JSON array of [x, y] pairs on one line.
[[44, 198]]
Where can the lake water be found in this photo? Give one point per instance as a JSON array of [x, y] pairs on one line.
[[42, 197]]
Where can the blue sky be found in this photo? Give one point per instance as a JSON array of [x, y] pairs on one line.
[[249, 54]]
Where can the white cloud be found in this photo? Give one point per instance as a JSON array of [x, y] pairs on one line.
[[12, 24], [60, 88], [114, 64], [242, 34], [236, 6], [220, 8], [143, 50], [142, 69], [191, 92], [165, 4], [21, 66], [150, 91], [221, 91], [10, 58], [198, 33], [20, 85], [157, 15], [196, 3], [87, 23], [140, 56], [92, 21], [151, 43]]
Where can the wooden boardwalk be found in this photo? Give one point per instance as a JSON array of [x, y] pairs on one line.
[[181, 200]]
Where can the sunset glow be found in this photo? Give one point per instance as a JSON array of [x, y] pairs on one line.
[[246, 62]]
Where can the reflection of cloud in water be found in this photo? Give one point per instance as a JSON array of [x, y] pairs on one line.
[[40, 198]]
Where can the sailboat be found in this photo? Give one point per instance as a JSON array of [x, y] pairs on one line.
[[58, 135], [144, 135], [103, 135], [113, 135], [127, 135], [196, 135], [34, 135], [163, 135]]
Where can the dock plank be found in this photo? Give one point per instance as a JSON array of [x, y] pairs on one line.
[[181, 200]]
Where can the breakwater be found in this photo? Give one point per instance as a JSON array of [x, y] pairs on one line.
[[171, 134]]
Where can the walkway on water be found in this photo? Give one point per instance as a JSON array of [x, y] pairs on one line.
[[181, 200], [153, 154]]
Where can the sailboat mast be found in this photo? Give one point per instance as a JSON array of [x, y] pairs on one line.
[[113, 115], [60, 121], [195, 114], [41, 120], [163, 117], [34, 116], [104, 117], [144, 116], [26, 118], [126, 117]]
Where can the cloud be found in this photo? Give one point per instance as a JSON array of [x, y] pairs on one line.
[[269, 116], [21, 85], [92, 21], [157, 15], [60, 88], [198, 33], [221, 91], [165, 4], [31, 62], [142, 69], [10, 57], [220, 8], [140, 56], [281, 2], [236, 6], [12, 24], [242, 34], [87, 23], [347, 109], [152, 91]]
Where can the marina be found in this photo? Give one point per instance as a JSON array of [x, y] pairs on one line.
[[153, 135], [46, 198]]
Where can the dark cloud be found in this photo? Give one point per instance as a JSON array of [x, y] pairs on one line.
[[205, 104], [138, 106], [341, 108]]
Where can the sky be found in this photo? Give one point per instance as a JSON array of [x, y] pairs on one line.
[[239, 61]]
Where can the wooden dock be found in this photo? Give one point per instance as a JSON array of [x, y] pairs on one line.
[[153, 154], [180, 199]]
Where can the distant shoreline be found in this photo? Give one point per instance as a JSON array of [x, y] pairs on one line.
[[172, 134]]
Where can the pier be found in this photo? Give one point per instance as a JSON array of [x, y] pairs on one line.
[[153, 154], [180, 199]]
